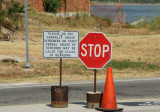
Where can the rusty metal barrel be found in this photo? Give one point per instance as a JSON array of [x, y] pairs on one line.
[[93, 99], [59, 96]]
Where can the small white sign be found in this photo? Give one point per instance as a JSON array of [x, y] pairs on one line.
[[60, 44]]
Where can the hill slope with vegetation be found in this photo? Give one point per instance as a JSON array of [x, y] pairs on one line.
[[135, 49], [10, 18]]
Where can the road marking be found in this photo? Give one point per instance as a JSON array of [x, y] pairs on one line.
[[10, 86]]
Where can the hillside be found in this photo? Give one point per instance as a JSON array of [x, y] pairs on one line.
[[135, 49], [133, 54]]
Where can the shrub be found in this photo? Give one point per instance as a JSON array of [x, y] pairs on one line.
[[15, 8], [52, 5], [10, 17], [108, 20], [155, 24], [127, 25], [77, 16]]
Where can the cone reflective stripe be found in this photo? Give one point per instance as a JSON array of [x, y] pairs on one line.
[[109, 98]]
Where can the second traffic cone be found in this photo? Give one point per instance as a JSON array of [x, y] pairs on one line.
[[109, 97]]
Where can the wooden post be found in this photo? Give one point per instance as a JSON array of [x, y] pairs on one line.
[[119, 6]]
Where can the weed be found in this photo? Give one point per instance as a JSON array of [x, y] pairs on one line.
[[44, 75], [28, 77], [128, 25], [65, 66], [152, 66], [7, 60]]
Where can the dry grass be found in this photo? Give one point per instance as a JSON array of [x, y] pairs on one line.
[[144, 47], [128, 45]]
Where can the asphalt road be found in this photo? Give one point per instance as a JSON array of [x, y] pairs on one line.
[[40, 93]]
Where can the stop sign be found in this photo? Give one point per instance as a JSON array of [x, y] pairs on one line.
[[95, 50]]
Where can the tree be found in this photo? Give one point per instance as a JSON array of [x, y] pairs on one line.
[[52, 5]]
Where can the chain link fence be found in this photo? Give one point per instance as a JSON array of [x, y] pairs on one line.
[[126, 12]]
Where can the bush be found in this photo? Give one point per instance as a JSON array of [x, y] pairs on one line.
[[127, 26], [52, 5], [15, 8], [77, 16], [10, 17], [155, 24], [108, 20]]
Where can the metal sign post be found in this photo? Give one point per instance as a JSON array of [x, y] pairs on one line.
[[95, 71], [26, 25], [60, 82]]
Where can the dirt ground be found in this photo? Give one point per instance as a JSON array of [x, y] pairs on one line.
[[127, 44], [145, 48]]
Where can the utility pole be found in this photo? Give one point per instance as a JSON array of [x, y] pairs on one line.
[[119, 6], [26, 25]]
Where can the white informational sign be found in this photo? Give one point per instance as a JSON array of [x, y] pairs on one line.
[[60, 44]]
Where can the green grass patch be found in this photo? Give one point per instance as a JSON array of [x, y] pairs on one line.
[[65, 66], [9, 60], [123, 64]]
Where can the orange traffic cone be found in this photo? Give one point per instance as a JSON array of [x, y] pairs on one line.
[[109, 98]]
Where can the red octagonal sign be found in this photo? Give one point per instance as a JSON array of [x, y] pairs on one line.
[[95, 50]]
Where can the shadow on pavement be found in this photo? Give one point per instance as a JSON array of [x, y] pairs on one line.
[[49, 105], [80, 103]]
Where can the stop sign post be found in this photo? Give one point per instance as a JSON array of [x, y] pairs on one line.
[[95, 52]]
